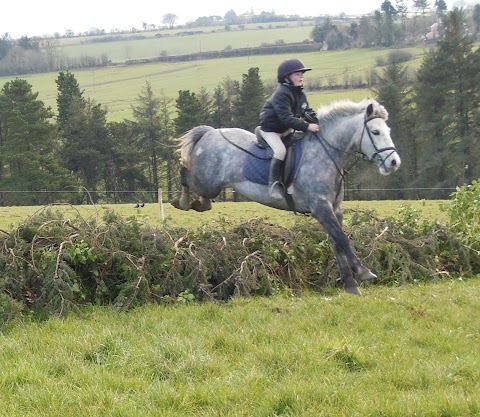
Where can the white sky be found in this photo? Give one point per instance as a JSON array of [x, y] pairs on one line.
[[39, 17]]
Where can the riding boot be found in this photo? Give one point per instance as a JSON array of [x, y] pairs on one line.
[[275, 186]]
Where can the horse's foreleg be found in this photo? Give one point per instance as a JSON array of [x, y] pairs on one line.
[[347, 260], [363, 273]]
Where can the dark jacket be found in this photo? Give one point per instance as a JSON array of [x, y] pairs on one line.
[[285, 109]]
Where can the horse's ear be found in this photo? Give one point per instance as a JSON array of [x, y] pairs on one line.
[[370, 110]]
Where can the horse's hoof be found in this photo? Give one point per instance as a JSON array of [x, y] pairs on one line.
[[200, 206], [365, 275], [177, 204], [353, 290]]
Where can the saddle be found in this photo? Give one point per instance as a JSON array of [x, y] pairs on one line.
[[289, 166]]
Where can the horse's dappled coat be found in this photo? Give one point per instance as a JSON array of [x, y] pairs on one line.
[[210, 163]]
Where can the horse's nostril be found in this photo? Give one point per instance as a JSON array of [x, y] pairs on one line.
[[394, 162]]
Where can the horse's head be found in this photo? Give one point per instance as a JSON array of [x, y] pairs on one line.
[[375, 142]]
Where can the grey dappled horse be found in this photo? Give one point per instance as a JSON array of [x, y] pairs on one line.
[[215, 158]]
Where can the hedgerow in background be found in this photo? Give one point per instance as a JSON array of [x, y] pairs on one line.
[[53, 265]]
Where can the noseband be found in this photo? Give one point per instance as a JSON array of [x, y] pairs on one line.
[[377, 151]]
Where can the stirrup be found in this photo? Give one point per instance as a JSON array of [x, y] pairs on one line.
[[276, 190]]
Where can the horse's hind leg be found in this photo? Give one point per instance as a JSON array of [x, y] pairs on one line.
[[201, 204], [183, 203]]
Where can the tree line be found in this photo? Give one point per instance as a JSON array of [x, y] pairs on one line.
[[47, 157]]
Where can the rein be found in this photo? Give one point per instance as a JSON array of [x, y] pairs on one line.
[[364, 156]]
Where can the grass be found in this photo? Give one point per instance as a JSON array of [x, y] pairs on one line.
[[12, 216], [117, 88], [402, 351], [152, 47]]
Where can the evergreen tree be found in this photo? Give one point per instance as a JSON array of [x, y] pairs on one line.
[[219, 109], [146, 113], [389, 15], [127, 161], [378, 26], [6, 43], [440, 7], [205, 109], [86, 143], [187, 105], [447, 99], [224, 96], [168, 143], [394, 91], [68, 91], [28, 144], [402, 11], [250, 100], [476, 19]]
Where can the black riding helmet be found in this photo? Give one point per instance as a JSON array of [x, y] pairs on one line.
[[289, 66]]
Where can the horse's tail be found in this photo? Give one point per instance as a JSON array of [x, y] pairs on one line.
[[188, 141]]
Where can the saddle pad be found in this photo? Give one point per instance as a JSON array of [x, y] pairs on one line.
[[257, 163]]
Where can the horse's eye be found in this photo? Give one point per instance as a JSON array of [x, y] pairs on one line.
[[375, 132]]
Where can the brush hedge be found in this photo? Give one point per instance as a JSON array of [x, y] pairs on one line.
[[53, 265]]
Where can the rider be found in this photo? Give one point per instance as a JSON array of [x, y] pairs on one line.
[[285, 111]]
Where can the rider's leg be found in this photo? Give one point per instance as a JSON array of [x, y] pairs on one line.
[[279, 152]]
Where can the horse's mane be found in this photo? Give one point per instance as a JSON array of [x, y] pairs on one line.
[[343, 108]]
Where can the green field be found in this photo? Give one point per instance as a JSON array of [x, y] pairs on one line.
[[152, 213], [395, 351], [118, 87], [408, 351], [213, 39]]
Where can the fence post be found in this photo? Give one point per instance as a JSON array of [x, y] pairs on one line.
[[160, 205]]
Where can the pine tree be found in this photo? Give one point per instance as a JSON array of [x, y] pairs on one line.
[[148, 125], [205, 109], [250, 100], [28, 145], [447, 99], [187, 105], [389, 13], [168, 143], [128, 165], [68, 91], [476, 19], [224, 96], [394, 91], [86, 143], [402, 10]]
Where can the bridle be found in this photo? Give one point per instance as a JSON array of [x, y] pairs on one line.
[[342, 172], [377, 152]]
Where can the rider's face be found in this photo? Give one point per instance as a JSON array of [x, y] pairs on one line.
[[296, 78]]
